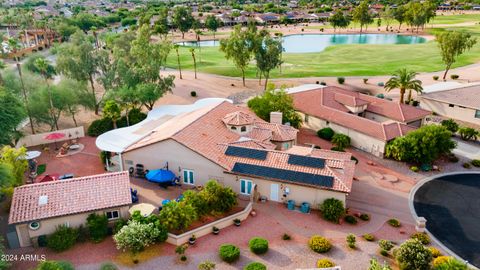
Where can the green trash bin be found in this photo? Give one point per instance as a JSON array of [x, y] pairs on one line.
[[305, 208], [291, 205]]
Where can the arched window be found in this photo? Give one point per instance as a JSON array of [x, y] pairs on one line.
[[243, 129], [233, 128]]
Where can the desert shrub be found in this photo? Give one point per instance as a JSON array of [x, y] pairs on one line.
[[350, 219], [414, 169], [422, 237], [452, 158], [108, 266], [385, 244], [62, 239], [476, 162], [97, 226], [319, 244], [229, 253], [55, 265], [454, 76], [394, 222], [258, 245], [351, 240], [375, 265], [193, 93], [466, 165], [325, 263], [365, 80], [286, 237], [255, 266], [341, 80], [412, 254], [435, 78], [183, 258], [435, 252], [452, 264], [326, 133], [364, 217], [206, 265], [332, 209], [368, 237], [440, 260], [384, 252], [382, 96], [468, 133], [99, 127], [450, 125], [323, 83]]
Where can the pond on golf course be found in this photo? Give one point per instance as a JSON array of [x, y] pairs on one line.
[[308, 43]]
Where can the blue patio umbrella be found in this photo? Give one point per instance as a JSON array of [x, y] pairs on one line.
[[160, 176]]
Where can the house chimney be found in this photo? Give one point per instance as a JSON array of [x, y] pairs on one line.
[[276, 118]]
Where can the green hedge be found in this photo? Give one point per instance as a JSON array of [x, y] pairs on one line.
[[255, 266], [103, 125], [258, 245], [326, 133], [62, 239], [229, 253]]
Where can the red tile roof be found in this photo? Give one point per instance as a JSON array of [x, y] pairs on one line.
[[72, 196], [238, 118], [322, 103]]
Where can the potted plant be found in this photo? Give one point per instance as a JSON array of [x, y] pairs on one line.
[[215, 230], [237, 222], [192, 239]]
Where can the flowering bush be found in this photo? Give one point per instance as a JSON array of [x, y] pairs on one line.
[[319, 244], [422, 237], [412, 254], [435, 252], [385, 244], [325, 263], [135, 236]]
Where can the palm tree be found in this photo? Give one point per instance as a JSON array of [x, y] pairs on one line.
[[404, 80], [14, 45], [176, 47], [192, 50], [43, 65]]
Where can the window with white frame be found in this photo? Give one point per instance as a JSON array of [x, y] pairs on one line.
[[246, 186], [188, 177], [477, 113], [112, 214]]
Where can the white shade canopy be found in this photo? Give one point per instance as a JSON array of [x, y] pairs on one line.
[[145, 209], [32, 154]]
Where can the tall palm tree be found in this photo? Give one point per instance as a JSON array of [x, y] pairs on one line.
[[176, 47], [43, 65], [14, 45], [404, 80]]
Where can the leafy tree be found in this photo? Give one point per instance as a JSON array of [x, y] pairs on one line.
[[112, 111], [71, 92], [387, 15], [341, 141], [65, 30], [183, 19], [361, 14], [275, 100], [161, 25], [149, 93], [237, 48], [4, 264], [135, 236], [332, 209], [32, 66], [197, 201], [212, 23], [177, 215], [452, 44], [404, 80], [55, 265], [269, 56], [86, 21], [468, 133], [339, 20], [80, 61], [12, 114], [15, 159], [399, 15], [450, 125], [375, 265], [412, 254], [217, 197], [423, 145], [97, 226]]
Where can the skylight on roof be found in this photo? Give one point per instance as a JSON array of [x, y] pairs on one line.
[[42, 200]]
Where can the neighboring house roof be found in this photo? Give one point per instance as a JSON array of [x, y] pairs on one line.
[[238, 118], [468, 96], [67, 197], [336, 174], [328, 103]]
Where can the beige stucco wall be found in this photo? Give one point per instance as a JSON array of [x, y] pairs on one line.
[[27, 236], [178, 156], [456, 112], [358, 140]]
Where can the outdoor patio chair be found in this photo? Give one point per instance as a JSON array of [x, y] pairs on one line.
[[140, 171]]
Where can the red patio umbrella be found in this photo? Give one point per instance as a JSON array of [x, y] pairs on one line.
[[54, 137]]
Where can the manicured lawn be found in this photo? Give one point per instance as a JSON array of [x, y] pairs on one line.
[[341, 60]]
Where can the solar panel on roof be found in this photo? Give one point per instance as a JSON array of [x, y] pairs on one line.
[[306, 161], [246, 152], [294, 176]]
